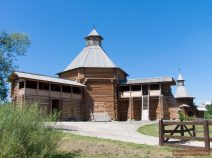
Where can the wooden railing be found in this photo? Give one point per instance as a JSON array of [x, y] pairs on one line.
[[185, 133]]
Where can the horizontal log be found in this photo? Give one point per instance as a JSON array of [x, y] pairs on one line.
[[168, 123], [177, 131], [184, 137]]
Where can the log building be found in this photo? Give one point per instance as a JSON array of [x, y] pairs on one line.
[[92, 83]]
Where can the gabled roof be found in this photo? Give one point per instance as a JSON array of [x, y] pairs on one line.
[[150, 80], [201, 108], [44, 78]]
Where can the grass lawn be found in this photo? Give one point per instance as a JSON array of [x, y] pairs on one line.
[[77, 146], [153, 130], [82, 146]]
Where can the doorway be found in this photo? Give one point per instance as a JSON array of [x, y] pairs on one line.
[[55, 105]]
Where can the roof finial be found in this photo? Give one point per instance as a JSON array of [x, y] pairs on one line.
[[179, 70], [94, 27]]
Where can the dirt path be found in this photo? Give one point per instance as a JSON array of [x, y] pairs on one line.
[[123, 131]]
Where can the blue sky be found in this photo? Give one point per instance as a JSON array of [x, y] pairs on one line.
[[147, 38]]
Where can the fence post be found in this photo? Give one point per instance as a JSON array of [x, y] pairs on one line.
[[194, 130], [182, 133], [161, 132], [206, 135]]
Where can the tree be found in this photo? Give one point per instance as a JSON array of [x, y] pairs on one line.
[[208, 113], [12, 45]]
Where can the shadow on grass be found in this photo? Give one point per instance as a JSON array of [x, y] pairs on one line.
[[64, 155]]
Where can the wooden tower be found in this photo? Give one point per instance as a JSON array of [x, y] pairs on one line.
[[93, 68]]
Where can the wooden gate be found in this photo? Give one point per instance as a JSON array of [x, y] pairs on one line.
[[184, 132]]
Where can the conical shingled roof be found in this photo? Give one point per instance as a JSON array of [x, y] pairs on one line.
[[181, 91], [92, 55]]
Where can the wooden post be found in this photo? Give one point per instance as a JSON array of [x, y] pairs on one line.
[[206, 135], [161, 132], [182, 133], [194, 130]]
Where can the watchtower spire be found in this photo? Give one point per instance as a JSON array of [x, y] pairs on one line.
[[181, 91], [93, 38]]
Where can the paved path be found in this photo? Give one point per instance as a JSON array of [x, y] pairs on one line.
[[123, 131]]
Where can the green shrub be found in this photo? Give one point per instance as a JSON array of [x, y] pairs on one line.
[[208, 113], [25, 133], [184, 117]]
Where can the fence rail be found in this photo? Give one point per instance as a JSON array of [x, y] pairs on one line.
[[182, 128]]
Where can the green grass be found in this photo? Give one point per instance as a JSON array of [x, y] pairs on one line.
[[153, 130], [73, 145], [82, 146]]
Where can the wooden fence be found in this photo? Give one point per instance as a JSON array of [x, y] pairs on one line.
[[186, 131]]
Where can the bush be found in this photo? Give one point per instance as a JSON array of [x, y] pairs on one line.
[[25, 133], [183, 117], [208, 113]]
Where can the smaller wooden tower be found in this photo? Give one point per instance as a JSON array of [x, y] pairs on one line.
[[183, 98]]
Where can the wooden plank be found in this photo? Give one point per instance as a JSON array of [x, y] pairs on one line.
[[169, 123], [184, 137], [161, 133], [206, 135], [172, 132]]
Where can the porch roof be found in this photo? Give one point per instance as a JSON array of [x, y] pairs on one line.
[[151, 80], [43, 78]]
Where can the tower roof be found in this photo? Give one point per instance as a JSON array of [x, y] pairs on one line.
[[180, 77], [93, 55], [181, 91], [94, 33]]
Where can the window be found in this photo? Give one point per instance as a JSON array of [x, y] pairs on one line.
[[55, 87], [154, 87], [124, 88], [66, 89], [76, 90], [43, 86], [145, 90], [136, 88], [31, 84], [21, 85]]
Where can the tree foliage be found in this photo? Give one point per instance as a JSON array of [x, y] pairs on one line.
[[11, 46], [208, 113], [24, 132]]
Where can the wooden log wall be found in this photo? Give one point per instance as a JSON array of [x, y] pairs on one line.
[[169, 108], [70, 104], [100, 92], [99, 97], [71, 109]]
